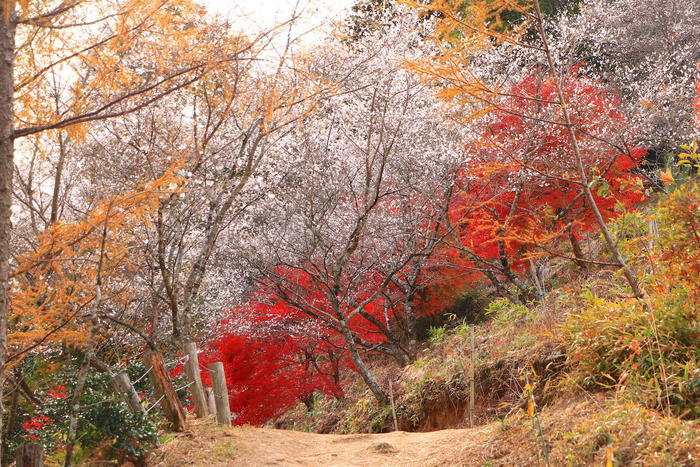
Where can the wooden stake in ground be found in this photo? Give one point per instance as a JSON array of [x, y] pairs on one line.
[[122, 385], [471, 375], [164, 390], [393, 406], [195, 380], [30, 455], [218, 378], [211, 401]]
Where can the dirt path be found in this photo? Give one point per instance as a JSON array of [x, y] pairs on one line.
[[212, 446]]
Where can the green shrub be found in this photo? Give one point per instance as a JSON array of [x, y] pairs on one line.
[[104, 421], [503, 312], [436, 334], [615, 344]]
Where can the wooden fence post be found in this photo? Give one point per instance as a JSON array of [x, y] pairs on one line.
[[30, 455], [471, 376], [218, 378], [393, 406], [195, 378], [122, 385], [211, 401], [164, 390]]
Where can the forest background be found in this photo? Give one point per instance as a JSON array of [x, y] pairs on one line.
[[300, 209]]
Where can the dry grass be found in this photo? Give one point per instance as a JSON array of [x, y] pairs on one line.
[[205, 444], [382, 448]]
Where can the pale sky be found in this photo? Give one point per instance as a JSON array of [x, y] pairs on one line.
[[254, 15]]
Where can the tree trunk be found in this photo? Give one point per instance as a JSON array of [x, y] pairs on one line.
[[500, 288], [578, 251], [7, 59], [79, 387], [164, 390], [369, 380], [11, 417], [411, 326], [583, 177], [58, 177], [122, 385], [30, 455]]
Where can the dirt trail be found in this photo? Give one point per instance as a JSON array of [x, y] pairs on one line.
[[214, 446]]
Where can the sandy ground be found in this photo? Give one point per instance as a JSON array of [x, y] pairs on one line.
[[267, 447]]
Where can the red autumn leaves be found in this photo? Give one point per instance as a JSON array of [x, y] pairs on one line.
[[517, 194]]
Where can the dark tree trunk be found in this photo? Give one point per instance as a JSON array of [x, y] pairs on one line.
[[7, 60], [411, 327], [58, 178], [30, 455], [11, 417]]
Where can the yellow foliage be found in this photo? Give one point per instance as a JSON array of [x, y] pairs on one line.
[[464, 28], [56, 283], [102, 57]]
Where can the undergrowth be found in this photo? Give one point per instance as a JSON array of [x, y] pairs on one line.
[[633, 377]]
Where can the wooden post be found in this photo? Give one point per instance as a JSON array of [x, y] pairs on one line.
[[393, 406], [122, 385], [164, 390], [30, 455], [211, 401], [471, 376], [195, 379], [218, 378]]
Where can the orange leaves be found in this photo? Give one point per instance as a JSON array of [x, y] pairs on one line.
[[667, 177], [677, 248], [463, 29], [56, 283], [99, 59]]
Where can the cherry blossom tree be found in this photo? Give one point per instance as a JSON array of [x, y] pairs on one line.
[[340, 230]]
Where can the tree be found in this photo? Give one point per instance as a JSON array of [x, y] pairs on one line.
[[80, 274], [82, 40], [338, 231], [651, 61], [230, 138], [274, 357], [241, 116], [467, 79], [56, 285], [518, 196]]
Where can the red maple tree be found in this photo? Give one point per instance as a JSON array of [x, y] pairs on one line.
[[519, 191]]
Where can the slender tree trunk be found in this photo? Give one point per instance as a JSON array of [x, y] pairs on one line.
[[411, 326], [79, 387], [58, 178], [537, 280], [578, 251], [369, 380], [80, 382], [500, 288], [411, 290], [7, 59], [11, 417], [583, 177]]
